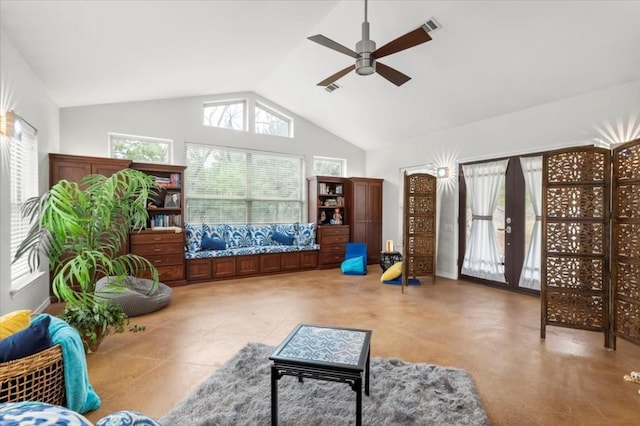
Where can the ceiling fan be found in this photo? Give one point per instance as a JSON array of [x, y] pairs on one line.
[[366, 54]]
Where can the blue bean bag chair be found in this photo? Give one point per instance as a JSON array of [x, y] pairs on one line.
[[355, 262]]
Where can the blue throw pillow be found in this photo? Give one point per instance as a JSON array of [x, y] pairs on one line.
[[213, 244], [353, 266], [284, 239], [29, 341]]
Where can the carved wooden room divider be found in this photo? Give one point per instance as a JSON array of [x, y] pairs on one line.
[[419, 227], [591, 253]]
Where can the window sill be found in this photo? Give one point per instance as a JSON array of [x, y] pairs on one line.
[[25, 282]]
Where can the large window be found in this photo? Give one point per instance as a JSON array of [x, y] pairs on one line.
[[226, 114], [270, 122], [140, 148], [236, 186], [326, 166], [23, 158]]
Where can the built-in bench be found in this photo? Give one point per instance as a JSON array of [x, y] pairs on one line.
[[225, 251]]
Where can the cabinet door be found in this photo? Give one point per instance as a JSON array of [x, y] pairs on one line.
[[374, 224], [360, 212], [72, 171]]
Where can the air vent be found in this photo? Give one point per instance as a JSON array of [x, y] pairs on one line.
[[431, 25], [330, 88]]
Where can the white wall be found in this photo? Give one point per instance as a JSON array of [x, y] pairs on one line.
[[84, 130], [572, 121], [21, 91]]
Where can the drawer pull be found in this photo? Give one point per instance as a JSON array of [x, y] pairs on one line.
[[157, 249], [157, 261]]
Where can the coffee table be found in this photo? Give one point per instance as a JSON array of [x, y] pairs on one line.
[[323, 353]]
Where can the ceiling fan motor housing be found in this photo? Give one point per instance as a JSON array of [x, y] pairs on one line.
[[365, 64]]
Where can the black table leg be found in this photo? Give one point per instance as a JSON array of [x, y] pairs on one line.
[[366, 372], [358, 385], [274, 396]]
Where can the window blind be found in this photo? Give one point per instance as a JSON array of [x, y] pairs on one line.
[[224, 185], [23, 159]]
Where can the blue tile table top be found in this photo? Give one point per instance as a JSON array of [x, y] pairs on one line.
[[326, 345]]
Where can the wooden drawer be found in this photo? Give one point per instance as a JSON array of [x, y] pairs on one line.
[[331, 258], [270, 262], [199, 269], [333, 230], [157, 237], [157, 249], [309, 259], [290, 261], [248, 265], [166, 260], [222, 267], [335, 239], [168, 273], [338, 249]]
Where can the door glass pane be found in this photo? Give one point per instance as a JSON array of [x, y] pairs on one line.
[[498, 221], [529, 221]]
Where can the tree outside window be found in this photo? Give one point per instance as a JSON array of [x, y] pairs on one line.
[[140, 148]]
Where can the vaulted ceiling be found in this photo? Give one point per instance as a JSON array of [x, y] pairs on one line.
[[489, 58]]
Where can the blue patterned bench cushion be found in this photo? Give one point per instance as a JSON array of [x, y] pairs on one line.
[[238, 236], [248, 239]]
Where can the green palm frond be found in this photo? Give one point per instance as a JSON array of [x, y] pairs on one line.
[[81, 229]]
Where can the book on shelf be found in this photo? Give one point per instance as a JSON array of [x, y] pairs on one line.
[[165, 220]]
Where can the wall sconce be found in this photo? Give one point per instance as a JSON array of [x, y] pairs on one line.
[[442, 172], [10, 125]]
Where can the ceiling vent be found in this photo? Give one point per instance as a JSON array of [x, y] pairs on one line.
[[330, 88], [431, 25]]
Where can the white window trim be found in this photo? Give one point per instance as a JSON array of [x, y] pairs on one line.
[[245, 112], [276, 113], [168, 142], [341, 160]]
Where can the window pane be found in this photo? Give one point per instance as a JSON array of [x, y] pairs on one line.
[[23, 166], [140, 148], [328, 166], [270, 123], [228, 115], [242, 187]]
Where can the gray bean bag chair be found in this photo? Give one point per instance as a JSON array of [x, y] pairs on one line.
[[137, 298]]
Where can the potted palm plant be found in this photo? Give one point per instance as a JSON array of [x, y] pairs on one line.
[[82, 229]]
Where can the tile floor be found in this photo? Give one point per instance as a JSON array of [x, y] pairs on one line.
[[569, 378]]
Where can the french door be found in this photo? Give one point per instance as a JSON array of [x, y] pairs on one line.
[[499, 222]]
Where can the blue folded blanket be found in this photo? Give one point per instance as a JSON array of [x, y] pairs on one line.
[[79, 393]]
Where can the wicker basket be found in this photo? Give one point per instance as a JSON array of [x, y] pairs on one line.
[[38, 377]]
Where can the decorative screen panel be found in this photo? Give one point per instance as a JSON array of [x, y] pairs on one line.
[[625, 257], [575, 289], [419, 257]]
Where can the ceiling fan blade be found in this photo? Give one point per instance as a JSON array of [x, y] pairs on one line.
[[327, 81], [393, 75], [327, 42], [410, 39]]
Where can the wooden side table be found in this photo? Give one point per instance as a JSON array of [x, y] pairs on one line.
[[389, 258]]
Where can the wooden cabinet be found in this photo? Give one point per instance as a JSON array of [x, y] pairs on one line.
[[160, 243], [332, 240], [161, 246], [165, 250], [364, 214], [74, 167]]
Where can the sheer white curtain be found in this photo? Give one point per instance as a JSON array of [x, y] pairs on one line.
[[532, 170], [482, 258]]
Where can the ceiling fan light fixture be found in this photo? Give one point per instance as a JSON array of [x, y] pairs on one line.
[[365, 66]]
